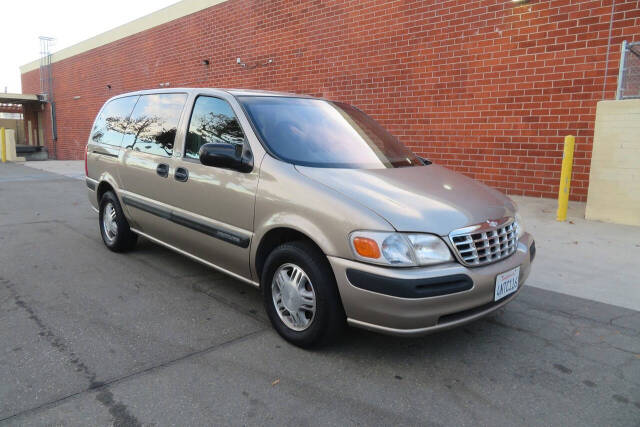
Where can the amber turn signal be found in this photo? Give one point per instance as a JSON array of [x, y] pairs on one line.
[[366, 247]]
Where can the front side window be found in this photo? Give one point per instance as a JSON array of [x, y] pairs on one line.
[[111, 125], [319, 133], [212, 121], [154, 122]]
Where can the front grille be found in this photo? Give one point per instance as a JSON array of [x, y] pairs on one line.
[[485, 243]]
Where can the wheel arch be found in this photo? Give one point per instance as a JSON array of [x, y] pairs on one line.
[[107, 182], [103, 187], [273, 238]]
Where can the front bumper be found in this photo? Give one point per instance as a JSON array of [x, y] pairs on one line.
[[405, 312]]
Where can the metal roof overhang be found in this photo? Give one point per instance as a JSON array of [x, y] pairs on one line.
[[20, 98]]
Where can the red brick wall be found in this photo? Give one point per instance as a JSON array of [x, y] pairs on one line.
[[486, 87]]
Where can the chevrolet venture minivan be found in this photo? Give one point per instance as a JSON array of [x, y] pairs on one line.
[[310, 200]]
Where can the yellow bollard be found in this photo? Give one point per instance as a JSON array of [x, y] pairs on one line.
[[3, 143], [565, 177]]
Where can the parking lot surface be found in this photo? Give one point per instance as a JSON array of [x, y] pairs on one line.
[[90, 337]]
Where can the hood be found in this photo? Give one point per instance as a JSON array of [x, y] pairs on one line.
[[430, 199]]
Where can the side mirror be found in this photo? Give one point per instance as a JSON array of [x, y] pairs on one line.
[[425, 161], [228, 156]]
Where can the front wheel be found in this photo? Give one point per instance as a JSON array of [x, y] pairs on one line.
[[301, 296]]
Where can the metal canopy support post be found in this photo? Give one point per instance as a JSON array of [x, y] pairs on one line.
[[621, 69]]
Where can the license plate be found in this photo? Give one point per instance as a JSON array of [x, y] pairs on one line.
[[506, 283]]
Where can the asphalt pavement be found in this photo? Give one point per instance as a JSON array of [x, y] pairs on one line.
[[90, 337]]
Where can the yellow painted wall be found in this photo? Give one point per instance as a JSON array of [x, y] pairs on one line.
[[614, 181]]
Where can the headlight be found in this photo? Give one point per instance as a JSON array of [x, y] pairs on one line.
[[429, 249], [396, 250], [517, 223], [519, 226], [399, 249]]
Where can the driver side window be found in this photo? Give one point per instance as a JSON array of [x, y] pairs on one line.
[[212, 120]]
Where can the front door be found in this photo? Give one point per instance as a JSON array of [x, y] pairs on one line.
[[215, 206]]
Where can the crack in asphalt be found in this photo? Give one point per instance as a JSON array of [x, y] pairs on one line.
[[121, 416], [48, 334], [103, 385], [118, 410]]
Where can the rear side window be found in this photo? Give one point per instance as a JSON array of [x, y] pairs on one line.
[[214, 121], [154, 122], [112, 122]]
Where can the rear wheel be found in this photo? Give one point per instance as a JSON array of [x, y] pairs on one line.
[[114, 227], [301, 296]]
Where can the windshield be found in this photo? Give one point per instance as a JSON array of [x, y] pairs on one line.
[[314, 132]]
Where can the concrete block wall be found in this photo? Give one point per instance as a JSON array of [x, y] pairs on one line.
[[614, 191], [16, 126], [486, 87]]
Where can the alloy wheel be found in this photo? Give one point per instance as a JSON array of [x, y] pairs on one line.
[[109, 224], [293, 297]]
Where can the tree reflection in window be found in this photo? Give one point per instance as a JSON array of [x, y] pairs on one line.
[[153, 125], [118, 109], [212, 121], [144, 131]]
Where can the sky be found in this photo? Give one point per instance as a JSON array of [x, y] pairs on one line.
[[68, 21]]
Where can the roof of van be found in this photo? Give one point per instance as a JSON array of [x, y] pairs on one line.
[[234, 92], [257, 92]]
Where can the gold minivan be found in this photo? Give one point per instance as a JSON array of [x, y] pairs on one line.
[[310, 200]]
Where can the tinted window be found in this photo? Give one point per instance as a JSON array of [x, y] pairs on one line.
[[112, 122], [314, 132], [153, 125], [214, 121]]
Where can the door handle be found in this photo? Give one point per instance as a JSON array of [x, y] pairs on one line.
[[163, 170], [181, 174]]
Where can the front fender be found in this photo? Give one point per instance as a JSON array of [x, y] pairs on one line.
[[288, 199], [294, 222]]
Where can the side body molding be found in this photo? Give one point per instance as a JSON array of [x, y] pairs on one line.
[[194, 224]]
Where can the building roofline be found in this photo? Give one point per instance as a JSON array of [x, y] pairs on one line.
[[159, 17]]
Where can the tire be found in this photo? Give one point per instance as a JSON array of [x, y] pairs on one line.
[[116, 234], [327, 321]]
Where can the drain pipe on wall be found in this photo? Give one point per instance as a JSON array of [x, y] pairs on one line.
[[54, 130]]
